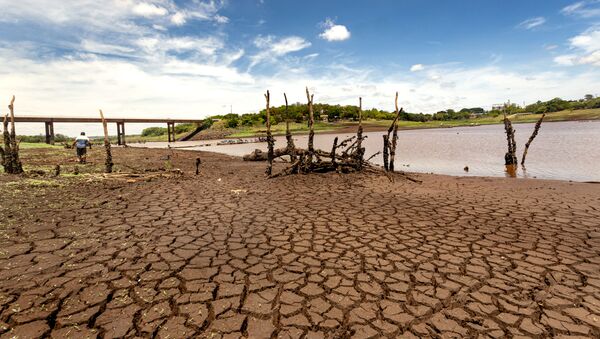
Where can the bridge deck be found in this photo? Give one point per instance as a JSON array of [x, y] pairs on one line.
[[97, 119], [49, 124]]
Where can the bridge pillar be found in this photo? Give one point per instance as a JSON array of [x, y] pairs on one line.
[[120, 133], [49, 132], [171, 131]]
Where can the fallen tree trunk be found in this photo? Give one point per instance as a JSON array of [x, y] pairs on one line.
[[536, 129]]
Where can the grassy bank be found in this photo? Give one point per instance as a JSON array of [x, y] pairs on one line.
[[320, 127]]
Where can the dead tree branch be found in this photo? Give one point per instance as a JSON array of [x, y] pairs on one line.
[[536, 129], [108, 163], [389, 146], [270, 141]]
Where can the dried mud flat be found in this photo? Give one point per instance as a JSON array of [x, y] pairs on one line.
[[231, 254]]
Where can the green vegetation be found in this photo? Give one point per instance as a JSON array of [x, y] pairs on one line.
[[335, 117], [158, 131], [42, 138]]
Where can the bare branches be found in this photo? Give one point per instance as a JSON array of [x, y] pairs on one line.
[[108, 163], [389, 147], [536, 129]]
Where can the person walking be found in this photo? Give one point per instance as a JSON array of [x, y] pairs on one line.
[[81, 143]]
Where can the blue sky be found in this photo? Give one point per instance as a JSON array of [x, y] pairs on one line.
[[196, 58]]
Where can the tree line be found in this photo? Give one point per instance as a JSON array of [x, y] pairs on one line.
[[298, 112]]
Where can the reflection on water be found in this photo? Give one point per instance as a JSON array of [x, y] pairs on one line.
[[511, 171], [562, 150]]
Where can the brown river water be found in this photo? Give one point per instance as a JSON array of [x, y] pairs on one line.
[[561, 151]]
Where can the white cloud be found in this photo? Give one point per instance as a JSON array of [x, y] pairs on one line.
[[587, 46], [110, 15], [148, 10], [584, 9], [334, 32], [272, 47], [532, 23], [417, 68], [178, 19], [104, 48]]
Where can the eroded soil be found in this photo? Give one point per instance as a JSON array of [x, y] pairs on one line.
[[231, 254]]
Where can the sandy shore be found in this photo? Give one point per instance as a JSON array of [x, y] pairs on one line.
[[230, 254]]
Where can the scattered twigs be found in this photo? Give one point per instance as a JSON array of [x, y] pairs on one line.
[[10, 153], [270, 141], [345, 156], [536, 129], [108, 163]]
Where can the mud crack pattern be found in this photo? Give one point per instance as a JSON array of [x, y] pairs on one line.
[[319, 256]]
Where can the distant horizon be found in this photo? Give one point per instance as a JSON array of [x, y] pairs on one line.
[[195, 59]]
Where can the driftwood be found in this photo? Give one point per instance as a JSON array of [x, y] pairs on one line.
[[108, 163], [10, 153], [536, 129], [389, 146], [345, 156]]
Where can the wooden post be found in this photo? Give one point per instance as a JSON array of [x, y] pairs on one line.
[[121, 133], [311, 123], [49, 132], [270, 141], [288, 134], [10, 154], [359, 137], [386, 146], [536, 129], [108, 163], [198, 162], [394, 136]]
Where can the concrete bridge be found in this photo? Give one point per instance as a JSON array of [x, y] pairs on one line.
[[49, 123]]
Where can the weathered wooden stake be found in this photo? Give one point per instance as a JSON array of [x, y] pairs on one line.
[[10, 153], [108, 163], [311, 123], [536, 129], [198, 162], [510, 158], [359, 137], [389, 147], [270, 141]]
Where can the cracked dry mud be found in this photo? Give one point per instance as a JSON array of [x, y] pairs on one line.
[[304, 256]]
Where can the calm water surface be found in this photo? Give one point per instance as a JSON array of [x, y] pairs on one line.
[[562, 150]]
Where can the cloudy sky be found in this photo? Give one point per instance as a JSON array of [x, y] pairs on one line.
[[172, 58]]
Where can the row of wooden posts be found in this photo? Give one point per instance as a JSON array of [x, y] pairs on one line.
[[307, 160]]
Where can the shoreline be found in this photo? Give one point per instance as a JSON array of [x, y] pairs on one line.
[[229, 252]]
